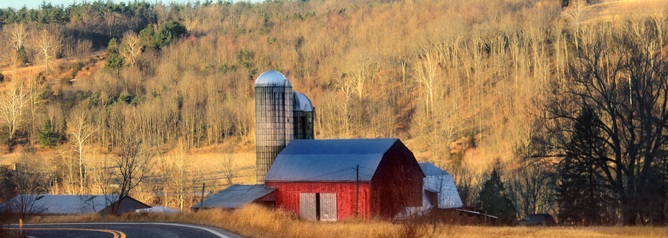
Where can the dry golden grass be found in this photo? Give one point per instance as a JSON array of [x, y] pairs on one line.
[[556, 232], [258, 221], [9, 159], [242, 163], [252, 221], [611, 10]]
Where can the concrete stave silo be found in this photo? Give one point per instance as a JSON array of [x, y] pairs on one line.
[[304, 114], [273, 119]]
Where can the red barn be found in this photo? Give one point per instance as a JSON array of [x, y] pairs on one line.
[[330, 180]]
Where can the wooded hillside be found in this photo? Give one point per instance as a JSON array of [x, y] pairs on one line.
[[461, 81], [432, 73]]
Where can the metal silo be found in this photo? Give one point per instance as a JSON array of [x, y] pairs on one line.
[[273, 119], [304, 113]]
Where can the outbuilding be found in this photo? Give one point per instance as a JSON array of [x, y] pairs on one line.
[[439, 189], [47, 204], [439, 193], [238, 195], [330, 180]]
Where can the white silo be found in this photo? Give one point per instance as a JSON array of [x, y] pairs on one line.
[[273, 119]]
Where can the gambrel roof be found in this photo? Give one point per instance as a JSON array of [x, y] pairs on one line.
[[439, 181], [332, 160]]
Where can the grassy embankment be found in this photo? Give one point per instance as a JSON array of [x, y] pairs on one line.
[[257, 221]]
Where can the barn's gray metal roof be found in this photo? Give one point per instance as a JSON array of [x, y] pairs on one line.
[[439, 181], [58, 204], [235, 196], [329, 160], [272, 78], [302, 103], [430, 169]]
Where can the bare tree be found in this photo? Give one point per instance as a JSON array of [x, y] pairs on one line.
[[425, 74], [68, 162], [575, 13], [228, 168], [81, 130], [363, 69], [177, 177], [30, 181], [49, 44], [25, 204], [531, 187], [12, 103], [36, 90], [131, 160], [621, 80], [466, 186], [18, 35], [131, 47], [347, 86]]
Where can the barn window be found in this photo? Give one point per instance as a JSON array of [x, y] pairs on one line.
[[317, 206]]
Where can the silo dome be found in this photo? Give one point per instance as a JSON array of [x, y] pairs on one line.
[[272, 78], [302, 103]]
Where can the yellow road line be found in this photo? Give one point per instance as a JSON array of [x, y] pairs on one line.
[[116, 233]]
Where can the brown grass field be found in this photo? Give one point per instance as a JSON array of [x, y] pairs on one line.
[[614, 10], [257, 221]]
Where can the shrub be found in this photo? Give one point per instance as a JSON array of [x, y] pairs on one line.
[[47, 137]]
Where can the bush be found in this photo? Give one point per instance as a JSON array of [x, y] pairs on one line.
[[47, 137]]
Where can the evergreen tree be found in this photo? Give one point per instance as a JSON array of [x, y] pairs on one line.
[[114, 59], [580, 192], [48, 137], [21, 56], [494, 200], [147, 36], [164, 35], [170, 31], [7, 185]]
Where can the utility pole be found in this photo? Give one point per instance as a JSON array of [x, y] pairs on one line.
[[357, 189], [201, 201]]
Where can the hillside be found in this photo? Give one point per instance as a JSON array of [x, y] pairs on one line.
[[460, 82]]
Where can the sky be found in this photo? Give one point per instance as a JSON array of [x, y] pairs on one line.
[[36, 3]]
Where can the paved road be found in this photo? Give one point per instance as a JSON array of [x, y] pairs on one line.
[[122, 230]]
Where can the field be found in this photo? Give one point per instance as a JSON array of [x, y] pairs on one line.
[[203, 165], [256, 221], [617, 9]]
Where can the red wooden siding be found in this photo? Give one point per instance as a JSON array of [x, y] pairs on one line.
[[397, 183], [287, 196]]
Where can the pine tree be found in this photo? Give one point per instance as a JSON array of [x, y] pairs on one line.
[[48, 137], [580, 192], [494, 200], [114, 59]]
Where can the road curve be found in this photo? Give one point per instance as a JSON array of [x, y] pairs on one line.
[[121, 230]]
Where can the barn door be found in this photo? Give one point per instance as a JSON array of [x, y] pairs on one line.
[[307, 206], [328, 206], [317, 206]]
